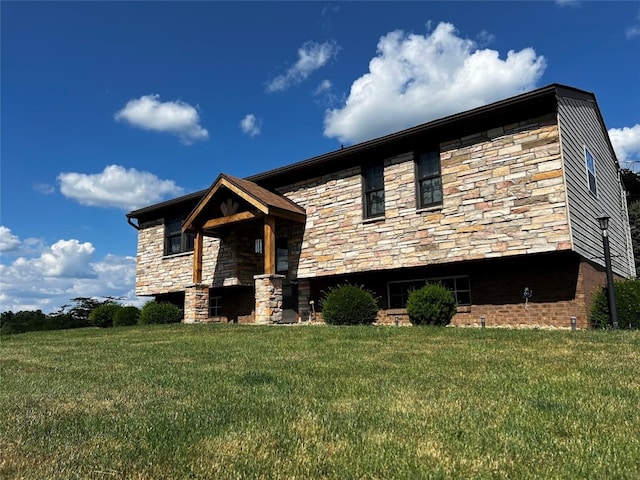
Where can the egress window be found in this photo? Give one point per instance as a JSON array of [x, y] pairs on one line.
[[591, 170]]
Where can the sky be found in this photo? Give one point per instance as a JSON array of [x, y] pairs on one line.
[[106, 107]]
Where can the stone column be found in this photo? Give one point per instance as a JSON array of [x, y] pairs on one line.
[[196, 303], [268, 298]]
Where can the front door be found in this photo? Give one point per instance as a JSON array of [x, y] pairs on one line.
[[289, 289]]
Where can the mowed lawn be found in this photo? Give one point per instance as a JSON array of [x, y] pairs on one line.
[[230, 401]]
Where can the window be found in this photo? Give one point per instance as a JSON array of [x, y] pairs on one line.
[[373, 191], [215, 306], [591, 170], [282, 256], [399, 291], [429, 179], [174, 240]]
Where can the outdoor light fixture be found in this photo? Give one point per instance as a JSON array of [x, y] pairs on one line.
[[573, 323], [483, 322], [603, 220]]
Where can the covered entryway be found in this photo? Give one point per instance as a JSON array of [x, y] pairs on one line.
[[247, 217]]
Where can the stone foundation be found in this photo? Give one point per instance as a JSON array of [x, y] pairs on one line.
[[196, 303], [268, 294]]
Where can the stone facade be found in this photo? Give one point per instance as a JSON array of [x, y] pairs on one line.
[[503, 190], [504, 196]]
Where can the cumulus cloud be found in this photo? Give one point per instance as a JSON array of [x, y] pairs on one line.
[[8, 241], [62, 271], [416, 78], [626, 143], [311, 57], [251, 125], [117, 187], [177, 118]]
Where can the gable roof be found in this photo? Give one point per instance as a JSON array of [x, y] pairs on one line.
[[264, 201]]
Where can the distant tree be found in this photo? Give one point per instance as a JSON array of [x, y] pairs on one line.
[[84, 306], [631, 181]]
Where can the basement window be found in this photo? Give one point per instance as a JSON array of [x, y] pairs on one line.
[[398, 292], [215, 306]]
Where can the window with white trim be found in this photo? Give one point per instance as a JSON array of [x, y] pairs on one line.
[[399, 291], [591, 170]]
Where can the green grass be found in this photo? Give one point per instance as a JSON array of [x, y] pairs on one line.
[[214, 401]]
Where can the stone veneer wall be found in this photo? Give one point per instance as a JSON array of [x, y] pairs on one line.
[[157, 273], [503, 190]]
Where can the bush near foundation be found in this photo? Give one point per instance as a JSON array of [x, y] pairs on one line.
[[432, 304], [627, 305], [155, 313], [126, 316], [102, 315], [349, 305]]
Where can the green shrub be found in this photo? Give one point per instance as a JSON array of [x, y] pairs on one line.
[[154, 312], [627, 305], [433, 304], [126, 316], [349, 305], [102, 315]]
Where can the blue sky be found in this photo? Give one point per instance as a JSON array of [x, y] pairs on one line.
[[108, 107]]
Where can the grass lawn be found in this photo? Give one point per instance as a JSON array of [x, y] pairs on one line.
[[232, 401]]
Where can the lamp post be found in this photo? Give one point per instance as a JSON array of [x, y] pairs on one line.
[[611, 294]]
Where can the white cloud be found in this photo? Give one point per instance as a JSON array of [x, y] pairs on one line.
[[62, 271], [117, 187], [8, 241], [415, 78], [568, 3], [324, 86], [311, 57], [633, 32], [66, 258], [626, 143], [44, 188], [251, 125], [177, 118]]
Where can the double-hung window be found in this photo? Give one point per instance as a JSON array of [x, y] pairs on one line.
[[374, 191], [174, 240], [591, 170], [429, 179]]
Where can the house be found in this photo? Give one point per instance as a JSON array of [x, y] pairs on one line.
[[498, 203]]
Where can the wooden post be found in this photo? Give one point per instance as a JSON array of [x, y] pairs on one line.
[[197, 257], [269, 245]]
